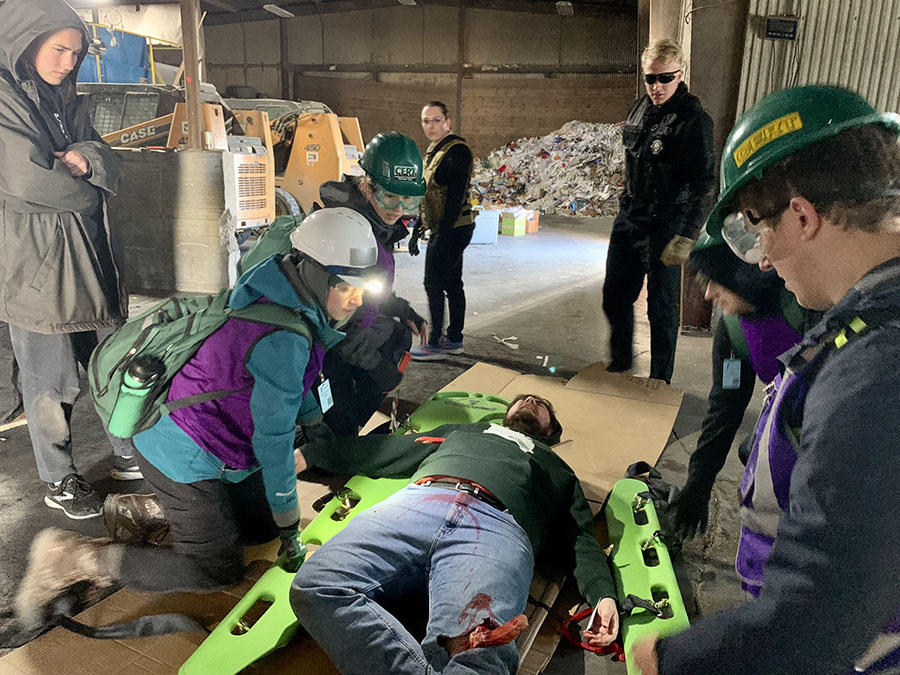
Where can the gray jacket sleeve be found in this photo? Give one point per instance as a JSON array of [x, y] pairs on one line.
[[31, 176], [831, 582], [106, 165]]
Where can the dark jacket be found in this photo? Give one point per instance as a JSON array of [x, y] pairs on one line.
[[669, 163], [540, 490], [372, 324], [831, 581], [59, 273]]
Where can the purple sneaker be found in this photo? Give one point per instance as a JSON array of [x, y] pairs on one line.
[[450, 347], [426, 353]]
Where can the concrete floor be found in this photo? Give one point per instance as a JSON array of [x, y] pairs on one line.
[[544, 289]]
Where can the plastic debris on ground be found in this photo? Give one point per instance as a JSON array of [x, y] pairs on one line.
[[577, 169]]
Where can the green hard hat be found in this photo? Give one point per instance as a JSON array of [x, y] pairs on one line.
[[783, 123], [394, 162], [705, 241]]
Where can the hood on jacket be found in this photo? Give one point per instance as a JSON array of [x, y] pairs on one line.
[[344, 192], [761, 289], [24, 21], [268, 280]]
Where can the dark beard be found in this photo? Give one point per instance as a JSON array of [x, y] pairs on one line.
[[526, 422]]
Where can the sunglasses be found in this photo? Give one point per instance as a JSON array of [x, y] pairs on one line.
[[390, 200], [663, 78]]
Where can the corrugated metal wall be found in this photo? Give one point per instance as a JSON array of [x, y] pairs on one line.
[[853, 43]]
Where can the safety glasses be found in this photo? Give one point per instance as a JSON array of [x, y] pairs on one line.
[[742, 232], [390, 200], [662, 78]]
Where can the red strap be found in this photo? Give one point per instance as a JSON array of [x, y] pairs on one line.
[[404, 362], [570, 629], [430, 439]]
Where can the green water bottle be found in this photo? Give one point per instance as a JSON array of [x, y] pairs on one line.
[[137, 383]]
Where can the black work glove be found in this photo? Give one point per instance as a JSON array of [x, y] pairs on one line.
[[386, 375], [313, 431], [413, 245], [292, 549], [690, 510]]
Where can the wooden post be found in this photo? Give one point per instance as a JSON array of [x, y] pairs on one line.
[[190, 27]]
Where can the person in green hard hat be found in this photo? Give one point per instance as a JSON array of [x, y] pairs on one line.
[[810, 183], [370, 360], [760, 321]]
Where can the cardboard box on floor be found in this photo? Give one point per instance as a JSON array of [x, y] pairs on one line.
[[609, 421]]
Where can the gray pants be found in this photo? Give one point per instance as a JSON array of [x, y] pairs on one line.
[[48, 372]]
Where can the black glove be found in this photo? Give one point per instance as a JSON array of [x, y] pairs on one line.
[[413, 245], [292, 549], [312, 432], [690, 510], [386, 375]]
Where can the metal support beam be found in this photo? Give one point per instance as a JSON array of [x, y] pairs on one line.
[[460, 64], [467, 69], [596, 10], [285, 70], [190, 28]]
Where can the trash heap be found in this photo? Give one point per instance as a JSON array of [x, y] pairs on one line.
[[577, 169]]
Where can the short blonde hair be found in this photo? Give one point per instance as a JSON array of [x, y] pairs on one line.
[[665, 49]]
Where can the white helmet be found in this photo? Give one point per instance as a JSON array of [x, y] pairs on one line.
[[341, 241]]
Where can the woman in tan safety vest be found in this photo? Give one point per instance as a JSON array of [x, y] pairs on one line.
[[447, 218]]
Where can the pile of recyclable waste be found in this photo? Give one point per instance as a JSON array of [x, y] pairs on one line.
[[575, 170]]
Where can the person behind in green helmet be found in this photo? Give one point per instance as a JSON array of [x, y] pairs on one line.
[[760, 321], [811, 188], [367, 364]]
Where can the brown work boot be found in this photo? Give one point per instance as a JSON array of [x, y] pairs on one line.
[[136, 519], [59, 559]]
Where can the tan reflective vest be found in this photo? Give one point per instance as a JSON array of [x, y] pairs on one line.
[[435, 200]]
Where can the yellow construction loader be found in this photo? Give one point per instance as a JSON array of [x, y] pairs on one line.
[[305, 143]]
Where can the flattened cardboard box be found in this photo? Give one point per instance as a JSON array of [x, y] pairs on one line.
[[609, 421]]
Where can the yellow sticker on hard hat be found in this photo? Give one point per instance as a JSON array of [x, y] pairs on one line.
[[774, 129]]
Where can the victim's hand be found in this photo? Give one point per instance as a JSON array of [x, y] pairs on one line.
[[605, 626]]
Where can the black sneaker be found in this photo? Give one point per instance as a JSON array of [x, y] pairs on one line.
[[74, 497], [125, 468], [619, 366]]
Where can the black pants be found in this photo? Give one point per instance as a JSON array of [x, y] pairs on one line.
[[209, 520], [355, 392], [443, 277], [724, 415], [633, 254]]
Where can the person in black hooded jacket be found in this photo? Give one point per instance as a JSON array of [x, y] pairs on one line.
[[760, 321], [60, 267], [669, 173]]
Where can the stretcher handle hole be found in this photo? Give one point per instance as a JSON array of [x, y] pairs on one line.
[[251, 616]]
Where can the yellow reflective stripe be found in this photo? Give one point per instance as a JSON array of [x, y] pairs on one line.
[[841, 339], [858, 325]]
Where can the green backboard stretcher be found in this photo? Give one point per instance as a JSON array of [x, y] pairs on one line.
[[232, 645], [641, 566]]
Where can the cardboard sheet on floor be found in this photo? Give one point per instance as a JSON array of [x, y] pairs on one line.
[[609, 421]]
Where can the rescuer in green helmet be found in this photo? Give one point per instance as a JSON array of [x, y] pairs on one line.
[[369, 362], [810, 187]]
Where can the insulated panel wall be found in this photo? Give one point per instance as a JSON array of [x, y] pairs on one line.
[[853, 43]]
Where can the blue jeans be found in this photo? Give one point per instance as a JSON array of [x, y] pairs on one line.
[[474, 561]]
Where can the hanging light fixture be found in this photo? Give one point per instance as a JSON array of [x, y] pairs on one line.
[[278, 11], [564, 8]]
